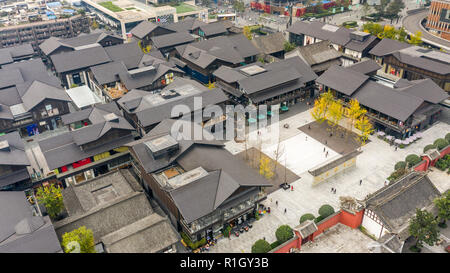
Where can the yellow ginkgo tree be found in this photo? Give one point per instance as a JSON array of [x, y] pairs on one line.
[[354, 111], [364, 125], [334, 114]]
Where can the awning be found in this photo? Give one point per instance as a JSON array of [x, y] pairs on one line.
[[261, 116], [284, 108], [251, 120]]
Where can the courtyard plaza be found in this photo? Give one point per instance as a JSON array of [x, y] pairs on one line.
[[339, 239], [373, 166]]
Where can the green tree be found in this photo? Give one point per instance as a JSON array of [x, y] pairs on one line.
[[402, 34], [443, 205], [394, 8], [284, 233], [305, 217], [366, 9], [261, 246], [381, 8], [400, 165], [94, 24], [325, 211], [447, 137], [238, 6], [415, 39], [440, 143], [83, 236], [412, 160], [424, 228], [289, 46], [52, 199], [429, 147]]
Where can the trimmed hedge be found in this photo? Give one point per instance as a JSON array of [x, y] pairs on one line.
[[284, 233], [440, 143], [261, 246], [429, 147], [319, 218], [325, 211], [400, 165], [307, 216], [275, 244], [447, 137], [412, 160]]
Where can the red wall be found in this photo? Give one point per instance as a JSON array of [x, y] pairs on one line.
[[351, 220], [424, 166], [295, 242], [343, 217], [327, 224]]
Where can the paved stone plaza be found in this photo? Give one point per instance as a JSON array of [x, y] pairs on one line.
[[339, 239], [373, 166], [301, 153]]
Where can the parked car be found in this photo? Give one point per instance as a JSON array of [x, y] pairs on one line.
[[285, 186]]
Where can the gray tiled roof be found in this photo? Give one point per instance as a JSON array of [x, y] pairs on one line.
[[188, 24], [160, 112], [268, 79], [151, 234], [271, 43], [427, 59], [143, 29], [226, 173], [336, 35], [16, 155], [79, 59], [231, 49], [128, 53], [399, 102], [397, 203], [53, 43], [14, 208], [10, 54], [215, 28], [365, 67], [172, 39], [39, 91], [388, 100], [108, 72], [276, 78], [341, 79], [387, 46], [426, 89], [146, 78], [127, 204], [65, 148]]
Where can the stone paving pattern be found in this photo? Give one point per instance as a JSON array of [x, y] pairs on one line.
[[373, 166]]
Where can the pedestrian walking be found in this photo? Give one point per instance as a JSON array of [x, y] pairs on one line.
[[396, 148], [285, 210], [324, 149], [332, 189], [335, 191], [276, 203], [360, 182], [326, 142], [306, 138]]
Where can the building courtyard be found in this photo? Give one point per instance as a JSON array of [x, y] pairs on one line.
[[373, 166]]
